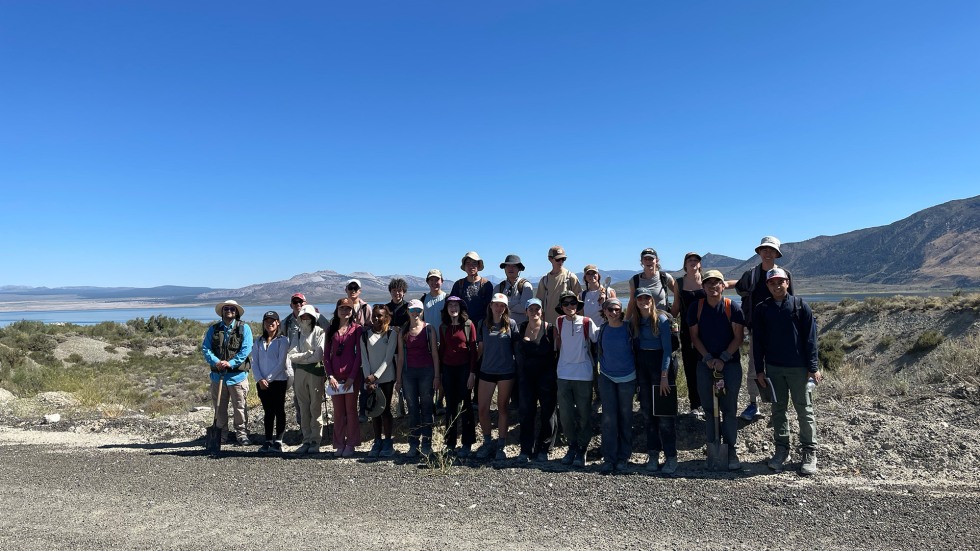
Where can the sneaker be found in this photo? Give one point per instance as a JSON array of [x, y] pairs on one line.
[[809, 465], [376, 448], [313, 449], [607, 467], [751, 412], [266, 448], [387, 448], [569, 456], [623, 466], [542, 457], [523, 457], [501, 454], [243, 441], [733, 463], [778, 459], [486, 448], [464, 452], [277, 446], [670, 466], [653, 462], [579, 460], [303, 448], [413, 451]]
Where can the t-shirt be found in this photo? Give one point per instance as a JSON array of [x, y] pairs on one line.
[[432, 309], [593, 306], [617, 360], [498, 349], [659, 293], [475, 295], [574, 363], [714, 329]]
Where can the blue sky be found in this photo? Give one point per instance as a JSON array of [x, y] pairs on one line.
[[229, 143]]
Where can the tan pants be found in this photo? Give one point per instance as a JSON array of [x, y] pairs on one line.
[[236, 395], [309, 399]]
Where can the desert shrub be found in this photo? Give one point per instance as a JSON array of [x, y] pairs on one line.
[[830, 350], [959, 360], [110, 348], [926, 341], [75, 358], [39, 342], [847, 302], [856, 340], [873, 305], [886, 341]]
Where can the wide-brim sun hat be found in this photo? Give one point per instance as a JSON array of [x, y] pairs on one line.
[[472, 256], [568, 294], [513, 260], [220, 305], [772, 243], [374, 403]]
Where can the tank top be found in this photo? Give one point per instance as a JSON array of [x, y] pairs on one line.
[[417, 349]]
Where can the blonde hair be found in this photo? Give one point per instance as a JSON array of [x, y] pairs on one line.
[[633, 315]]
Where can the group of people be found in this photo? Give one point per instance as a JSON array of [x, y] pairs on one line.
[[552, 349]]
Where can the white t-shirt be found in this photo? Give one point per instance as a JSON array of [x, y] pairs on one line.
[[574, 362]]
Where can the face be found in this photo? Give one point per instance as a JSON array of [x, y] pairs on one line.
[[557, 263], [768, 254], [296, 303], [534, 312], [271, 325], [344, 312], [498, 308], [435, 284], [779, 287], [353, 292], [512, 271], [644, 302], [592, 276], [569, 306], [414, 313], [397, 295], [307, 318], [228, 313], [471, 267], [377, 317], [453, 308], [692, 264], [648, 261], [614, 312], [713, 287]]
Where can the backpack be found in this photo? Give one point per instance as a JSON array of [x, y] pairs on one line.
[[518, 287], [728, 308], [663, 284]]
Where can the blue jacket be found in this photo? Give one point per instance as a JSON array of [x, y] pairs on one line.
[[784, 334], [229, 377]]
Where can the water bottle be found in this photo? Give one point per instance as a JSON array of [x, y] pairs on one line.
[[811, 384]]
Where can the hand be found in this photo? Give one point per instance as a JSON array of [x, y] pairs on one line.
[[263, 384], [222, 365], [664, 385], [761, 378], [716, 364], [818, 376], [398, 387], [333, 383], [436, 384], [348, 384], [471, 381]]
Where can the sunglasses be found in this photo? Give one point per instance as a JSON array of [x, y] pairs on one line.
[[229, 309], [559, 259], [414, 310], [353, 289], [614, 310], [569, 303], [298, 301]]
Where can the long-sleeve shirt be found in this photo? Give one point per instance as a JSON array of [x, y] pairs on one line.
[[230, 377], [784, 334], [378, 357], [342, 357], [306, 350], [660, 341], [456, 348], [269, 359]]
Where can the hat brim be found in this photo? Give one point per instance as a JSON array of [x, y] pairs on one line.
[[503, 265], [376, 406], [560, 308], [479, 264], [760, 247], [238, 307]]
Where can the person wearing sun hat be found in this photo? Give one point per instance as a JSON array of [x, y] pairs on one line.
[[753, 290], [574, 336], [556, 282], [226, 348], [517, 289], [476, 291]]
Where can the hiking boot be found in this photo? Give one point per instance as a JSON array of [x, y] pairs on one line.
[[653, 461], [623, 466], [809, 465], [303, 448], [751, 412], [387, 448], [413, 451], [314, 448], [243, 441], [277, 446], [266, 448], [569, 456], [579, 460], [523, 458], [697, 413], [670, 466], [607, 467], [464, 452], [542, 457], [733, 462], [376, 448], [486, 448], [501, 454], [348, 452], [778, 459]]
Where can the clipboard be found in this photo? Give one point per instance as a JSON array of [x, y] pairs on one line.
[[340, 390], [768, 394], [665, 406]]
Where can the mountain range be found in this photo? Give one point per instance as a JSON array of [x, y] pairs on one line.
[[936, 248]]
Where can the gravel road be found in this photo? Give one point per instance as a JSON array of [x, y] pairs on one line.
[[67, 491]]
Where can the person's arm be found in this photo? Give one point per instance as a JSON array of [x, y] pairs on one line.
[[664, 332], [759, 340], [610, 293], [389, 357], [258, 370], [542, 291], [399, 360], [434, 348], [743, 285], [350, 374], [279, 370], [593, 329], [810, 350]]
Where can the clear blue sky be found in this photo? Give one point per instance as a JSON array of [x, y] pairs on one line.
[[203, 143]]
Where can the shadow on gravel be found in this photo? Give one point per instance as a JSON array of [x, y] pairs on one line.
[[196, 443]]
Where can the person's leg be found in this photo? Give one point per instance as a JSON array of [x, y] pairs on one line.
[[566, 412], [466, 417], [317, 397], [609, 424], [386, 418], [706, 391], [624, 421], [450, 389], [796, 379], [583, 413], [527, 382], [729, 404], [690, 357], [647, 363], [277, 391], [426, 405], [485, 395], [339, 422], [353, 430], [548, 396], [780, 385], [238, 393], [268, 414], [504, 389], [667, 425], [752, 409], [220, 413], [412, 391], [304, 398]]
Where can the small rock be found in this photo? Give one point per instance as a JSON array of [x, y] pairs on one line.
[[6, 395], [201, 408], [52, 418]]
